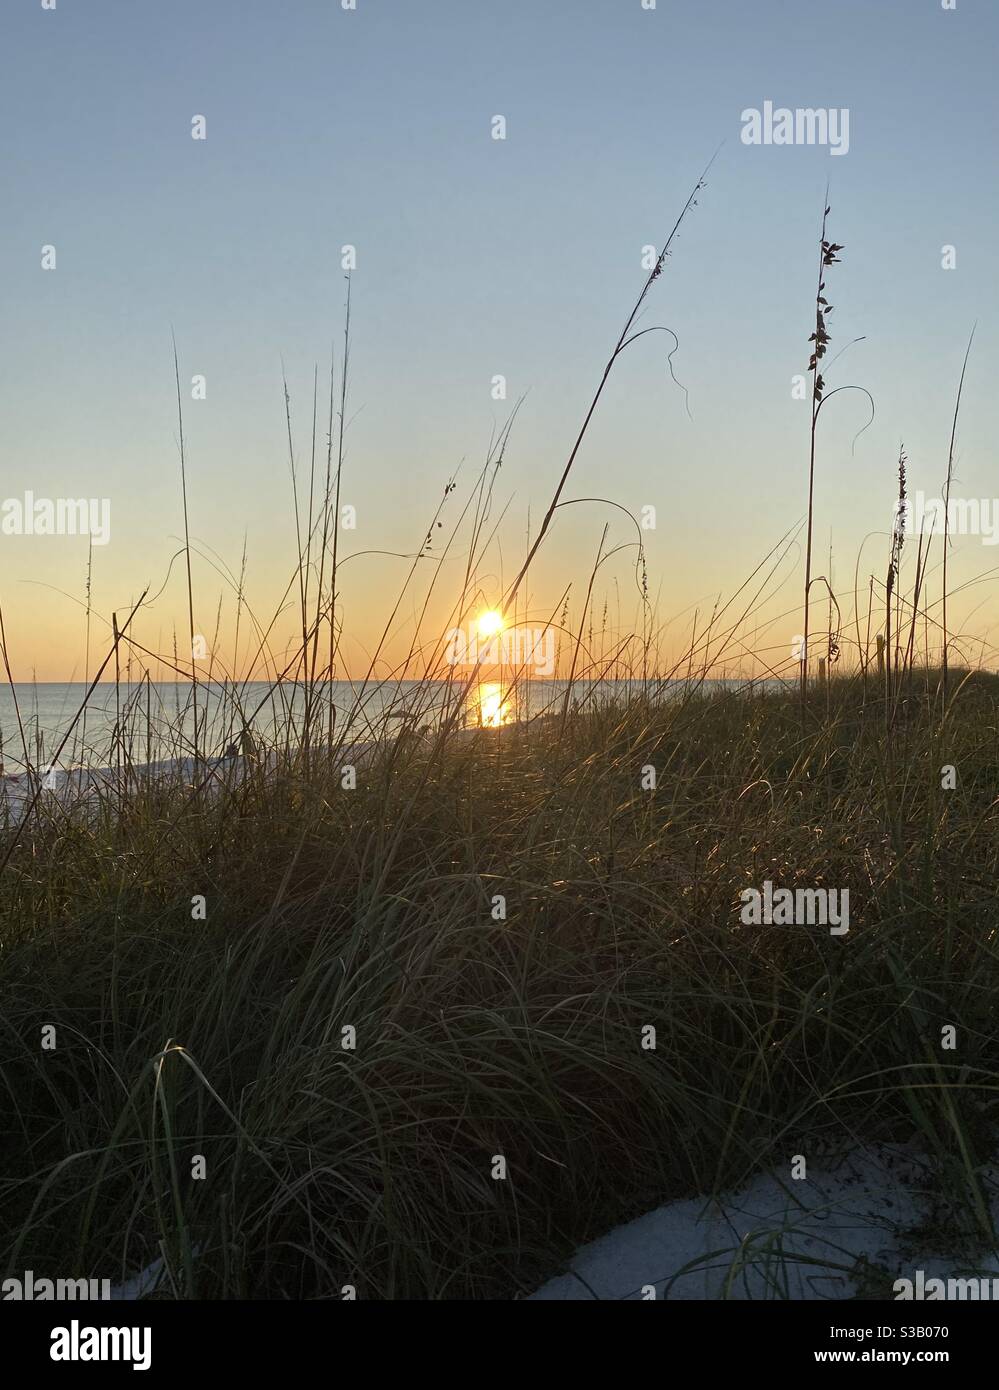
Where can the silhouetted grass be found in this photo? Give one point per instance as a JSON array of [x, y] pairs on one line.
[[373, 908]]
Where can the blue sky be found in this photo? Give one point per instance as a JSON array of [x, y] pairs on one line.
[[479, 257]]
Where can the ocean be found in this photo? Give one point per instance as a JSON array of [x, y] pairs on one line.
[[144, 722]]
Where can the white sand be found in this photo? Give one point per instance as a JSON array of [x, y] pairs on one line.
[[777, 1238]]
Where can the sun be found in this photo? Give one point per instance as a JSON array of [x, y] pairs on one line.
[[490, 623]]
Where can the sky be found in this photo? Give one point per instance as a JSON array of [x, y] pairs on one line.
[[479, 258]]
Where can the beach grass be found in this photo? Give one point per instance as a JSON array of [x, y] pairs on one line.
[[500, 917], [409, 1009]]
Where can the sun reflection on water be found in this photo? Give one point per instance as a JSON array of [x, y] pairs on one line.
[[489, 706]]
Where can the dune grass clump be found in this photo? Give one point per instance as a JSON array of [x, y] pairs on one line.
[[389, 987]]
